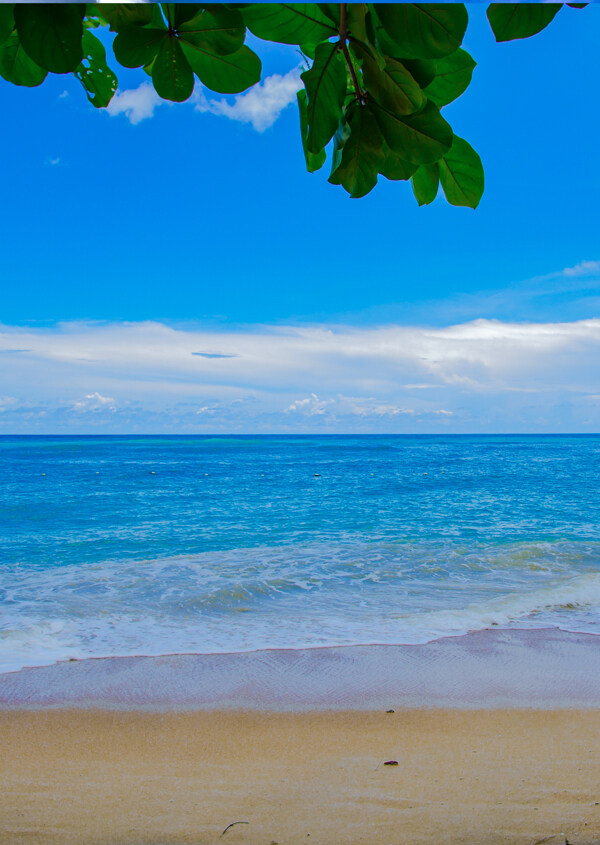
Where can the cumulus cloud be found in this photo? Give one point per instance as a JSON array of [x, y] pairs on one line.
[[310, 406], [476, 376], [136, 104], [261, 105], [94, 402], [584, 268]]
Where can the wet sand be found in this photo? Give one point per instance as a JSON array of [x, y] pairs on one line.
[[476, 777], [493, 669]]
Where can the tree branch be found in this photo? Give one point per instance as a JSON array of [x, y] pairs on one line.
[[344, 48]]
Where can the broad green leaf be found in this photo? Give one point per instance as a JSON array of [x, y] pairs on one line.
[[51, 34], [183, 12], [314, 161], [461, 174], [325, 85], [7, 21], [135, 46], [98, 80], [394, 87], [452, 77], [520, 20], [373, 37], [342, 133], [423, 70], [217, 31], [120, 15], [424, 31], [425, 182], [172, 76], [421, 138], [225, 74], [289, 23], [332, 11], [16, 66], [308, 50], [361, 154], [395, 168], [356, 24]]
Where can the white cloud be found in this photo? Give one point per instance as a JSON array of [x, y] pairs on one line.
[[136, 104], [94, 402], [584, 268], [484, 375], [261, 105], [310, 406]]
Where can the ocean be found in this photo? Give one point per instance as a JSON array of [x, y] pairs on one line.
[[130, 545]]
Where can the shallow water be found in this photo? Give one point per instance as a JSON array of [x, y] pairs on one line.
[[154, 545]]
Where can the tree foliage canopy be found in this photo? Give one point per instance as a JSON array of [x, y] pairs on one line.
[[376, 78]]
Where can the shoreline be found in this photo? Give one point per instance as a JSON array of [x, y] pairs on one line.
[[290, 747], [495, 668]]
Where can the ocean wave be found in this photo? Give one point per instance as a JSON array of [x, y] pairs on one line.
[[294, 596]]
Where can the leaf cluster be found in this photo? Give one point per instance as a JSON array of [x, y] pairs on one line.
[[376, 90], [376, 77]]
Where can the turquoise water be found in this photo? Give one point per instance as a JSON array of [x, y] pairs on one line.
[[155, 545]]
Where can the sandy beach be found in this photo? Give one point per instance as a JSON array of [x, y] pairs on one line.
[[462, 777], [293, 745]]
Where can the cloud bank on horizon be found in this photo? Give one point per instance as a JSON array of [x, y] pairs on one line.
[[479, 376]]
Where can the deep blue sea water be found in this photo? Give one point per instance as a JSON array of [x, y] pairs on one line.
[[154, 545]]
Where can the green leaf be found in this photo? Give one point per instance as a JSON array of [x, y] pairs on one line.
[[342, 133], [135, 46], [172, 76], [217, 31], [395, 168], [51, 34], [361, 155], [308, 50], [289, 23], [7, 21], [120, 15], [332, 11], [98, 80], [452, 78], [183, 12], [314, 161], [394, 87], [424, 31], [520, 20], [17, 67], [421, 69], [461, 174], [225, 74], [325, 85], [421, 138], [356, 21], [425, 183]]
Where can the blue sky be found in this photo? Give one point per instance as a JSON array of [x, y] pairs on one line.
[[136, 238]]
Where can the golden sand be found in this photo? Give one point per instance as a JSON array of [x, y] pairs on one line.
[[476, 777]]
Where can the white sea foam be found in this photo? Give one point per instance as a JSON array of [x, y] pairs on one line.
[[294, 596]]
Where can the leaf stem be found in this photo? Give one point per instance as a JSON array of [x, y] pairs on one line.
[[344, 48]]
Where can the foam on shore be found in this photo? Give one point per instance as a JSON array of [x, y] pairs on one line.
[[545, 668]]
